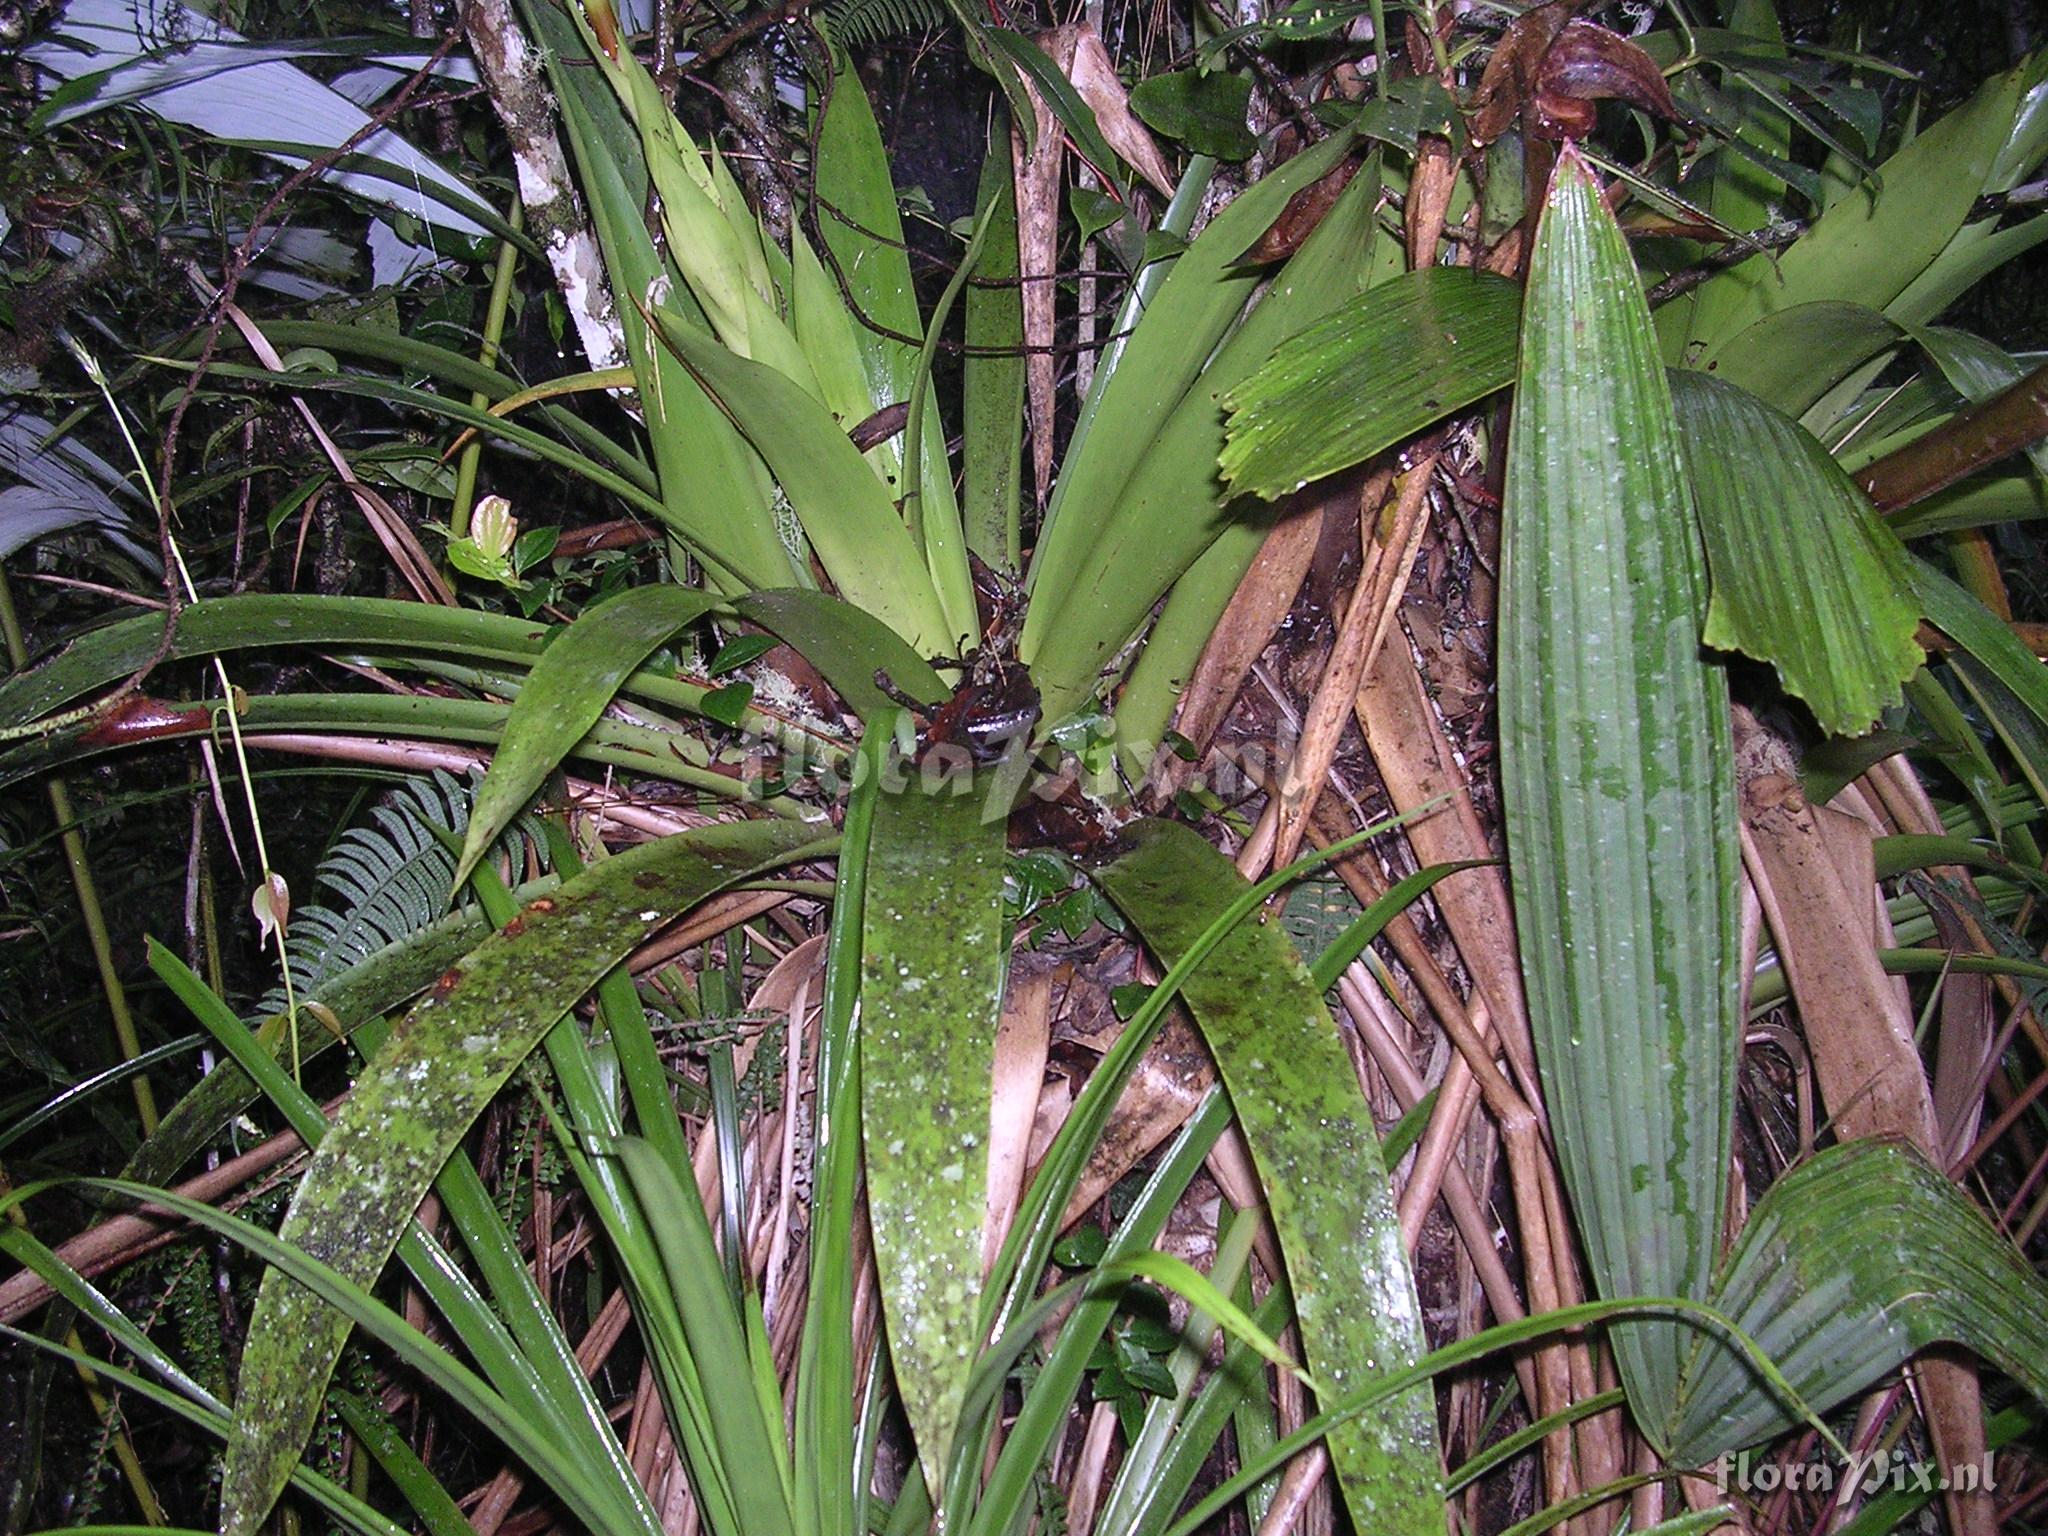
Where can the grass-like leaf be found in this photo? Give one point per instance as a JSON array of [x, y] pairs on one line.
[[1618, 784], [1953, 611], [452, 1053]]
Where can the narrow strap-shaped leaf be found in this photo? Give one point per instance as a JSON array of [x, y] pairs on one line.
[[714, 487], [992, 385], [435, 1506], [934, 950], [216, 625], [1978, 370], [1170, 505], [1312, 1137], [1372, 922], [446, 1060], [1740, 187], [351, 1511], [532, 1442], [1195, 307], [525, 1356], [1396, 358], [842, 503], [1805, 576], [265, 620], [1850, 1263], [568, 689], [748, 1441], [861, 227], [1073, 114], [847, 645], [1618, 785], [1979, 631], [827, 1398], [1868, 246]]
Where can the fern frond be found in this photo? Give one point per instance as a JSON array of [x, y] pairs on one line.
[[390, 880], [857, 23]]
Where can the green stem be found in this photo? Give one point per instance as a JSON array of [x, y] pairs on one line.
[[88, 890], [487, 356]]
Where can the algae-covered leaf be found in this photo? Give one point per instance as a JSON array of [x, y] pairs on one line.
[[934, 952], [1311, 1133], [412, 1106]]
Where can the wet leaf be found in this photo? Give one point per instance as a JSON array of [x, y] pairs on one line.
[[1311, 1134], [1805, 575], [1396, 359], [1618, 786], [443, 1064], [934, 953], [1856, 1259]]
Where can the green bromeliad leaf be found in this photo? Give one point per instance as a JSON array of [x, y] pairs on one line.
[[1805, 575], [1194, 309], [1166, 503], [992, 377], [1850, 1263], [845, 509], [1296, 1098], [1871, 244], [1391, 362], [572, 682], [1618, 785], [261, 621], [847, 646], [412, 1106], [934, 952]]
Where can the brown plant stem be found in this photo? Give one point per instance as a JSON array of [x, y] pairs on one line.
[[1985, 433]]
